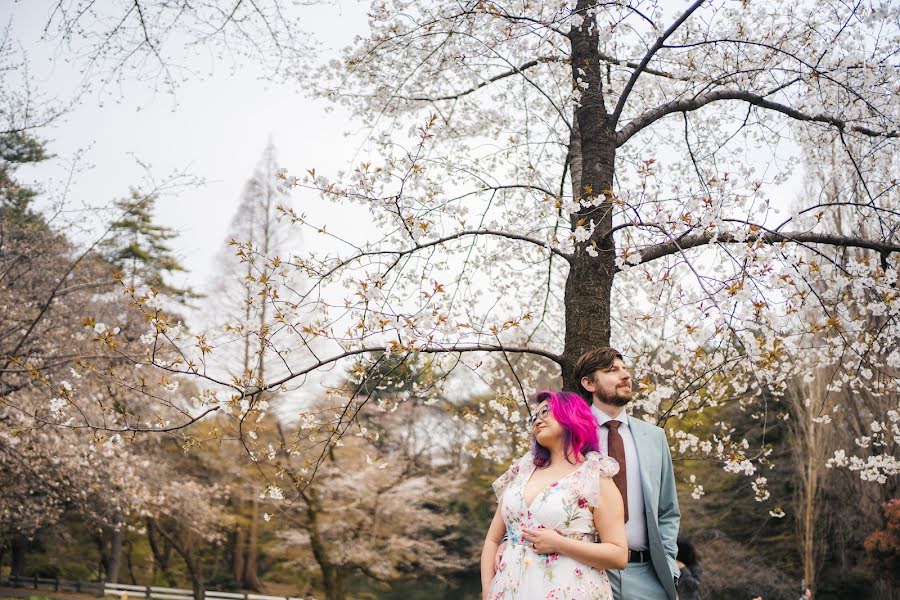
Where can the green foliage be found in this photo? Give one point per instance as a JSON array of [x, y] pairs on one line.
[[476, 504], [67, 550], [139, 247], [17, 149], [741, 545]]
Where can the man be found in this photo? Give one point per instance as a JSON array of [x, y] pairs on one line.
[[646, 479]]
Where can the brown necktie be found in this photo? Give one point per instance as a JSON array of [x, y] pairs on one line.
[[616, 449]]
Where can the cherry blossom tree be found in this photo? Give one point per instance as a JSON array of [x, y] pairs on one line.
[[378, 505], [545, 178], [555, 177]]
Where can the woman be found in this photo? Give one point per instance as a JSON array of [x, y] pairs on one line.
[[689, 564], [553, 503]]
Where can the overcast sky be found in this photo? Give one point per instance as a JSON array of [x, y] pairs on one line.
[[215, 128]]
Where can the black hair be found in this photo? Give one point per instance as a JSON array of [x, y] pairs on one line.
[[686, 552]]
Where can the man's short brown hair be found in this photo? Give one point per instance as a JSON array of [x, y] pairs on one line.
[[590, 361]]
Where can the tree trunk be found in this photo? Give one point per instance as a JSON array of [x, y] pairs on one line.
[[115, 553], [129, 562], [197, 584], [333, 577], [335, 583], [161, 555], [809, 443], [251, 578], [237, 546], [809, 514], [590, 279], [19, 548], [185, 549]]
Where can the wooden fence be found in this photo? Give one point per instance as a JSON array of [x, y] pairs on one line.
[[128, 592]]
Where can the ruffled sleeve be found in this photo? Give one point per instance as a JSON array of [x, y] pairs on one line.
[[597, 466], [519, 466]]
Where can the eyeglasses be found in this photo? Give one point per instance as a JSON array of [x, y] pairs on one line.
[[541, 414]]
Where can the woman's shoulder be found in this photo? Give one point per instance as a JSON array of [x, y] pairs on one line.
[[523, 462], [523, 465], [519, 466], [601, 464]]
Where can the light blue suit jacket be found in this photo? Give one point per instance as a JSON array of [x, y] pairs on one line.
[[660, 499]]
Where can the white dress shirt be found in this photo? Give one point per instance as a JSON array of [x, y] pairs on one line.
[[636, 526]]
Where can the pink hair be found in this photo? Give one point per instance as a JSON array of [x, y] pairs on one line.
[[578, 422]]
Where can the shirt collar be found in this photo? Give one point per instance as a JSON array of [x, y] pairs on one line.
[[602, 417]]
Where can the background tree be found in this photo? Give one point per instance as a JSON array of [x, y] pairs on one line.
[[613, 181], [379, 506], [545, 178], [138, 247], [243, 301], [883, 546], [559, 183]]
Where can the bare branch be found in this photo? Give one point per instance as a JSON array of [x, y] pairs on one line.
[[766, 237], [434, 349], [654, 114], [620, 105], [514, 71]]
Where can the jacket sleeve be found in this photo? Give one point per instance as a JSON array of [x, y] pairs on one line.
[[669, 513]]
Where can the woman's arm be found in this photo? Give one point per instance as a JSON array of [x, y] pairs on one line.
[[609, 519], [489, 551]]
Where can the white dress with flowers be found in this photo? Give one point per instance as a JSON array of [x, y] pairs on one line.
[[564, 505]]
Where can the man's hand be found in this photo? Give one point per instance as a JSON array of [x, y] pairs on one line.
[[543, 540]]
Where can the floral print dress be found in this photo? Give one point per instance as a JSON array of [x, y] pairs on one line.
[[564, 505]]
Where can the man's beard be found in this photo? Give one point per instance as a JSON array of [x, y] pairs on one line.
[[615, 399]]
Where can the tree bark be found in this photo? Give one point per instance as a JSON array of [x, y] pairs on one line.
[[115, 553], [161, 556], [197, 584], [810, 510], [333, 577], [129, 562], [19, 548], [237, 546], [185, 550], [590, 279], [251, 577]]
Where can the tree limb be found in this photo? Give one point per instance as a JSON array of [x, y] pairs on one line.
[[514, 71], [654, 114], [623, 97], [431, 349], [767, 237]]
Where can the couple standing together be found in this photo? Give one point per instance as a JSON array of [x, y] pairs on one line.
[[567, 512]]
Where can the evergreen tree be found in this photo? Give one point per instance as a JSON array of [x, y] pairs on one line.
[[139, 247], [16, 149]]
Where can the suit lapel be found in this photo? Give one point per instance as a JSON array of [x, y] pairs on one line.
[[648, 461]]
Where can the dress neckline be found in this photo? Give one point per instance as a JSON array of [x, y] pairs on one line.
[[534, 469]]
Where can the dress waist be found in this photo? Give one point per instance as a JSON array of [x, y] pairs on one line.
[[580, 536]]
